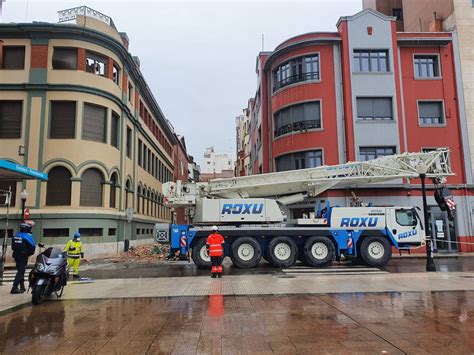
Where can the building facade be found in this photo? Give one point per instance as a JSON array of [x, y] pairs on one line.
[[243, 143], [362, 92], [215, 163], [74, 104], [181, 172], [454, 16]]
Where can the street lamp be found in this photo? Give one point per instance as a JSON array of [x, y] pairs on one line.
[[23, 196], [430, 264]]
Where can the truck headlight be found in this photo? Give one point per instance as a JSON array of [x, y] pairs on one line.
[[39, 267]]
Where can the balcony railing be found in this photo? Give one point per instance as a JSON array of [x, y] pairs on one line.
[[297, 126], [278, 84]]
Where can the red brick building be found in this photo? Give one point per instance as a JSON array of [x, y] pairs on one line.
[[364, 91], [181, 161]]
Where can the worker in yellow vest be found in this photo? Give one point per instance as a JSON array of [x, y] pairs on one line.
[[74, 253]]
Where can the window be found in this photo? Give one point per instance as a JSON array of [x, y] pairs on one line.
[[139, 193], [374, 108], [371, 61], [298, 118], [128, 189], [65, 58], [426, 66], [398, 13], [296, 70], [91, 188], [130, 93], [58, 188], [370, 153], [114, 130], [113, 190], [405, 217], [10, 119], [129, 142], [63, 119], [13, 57], [96, 64], [94, 123], [112, 232], [140, 153], [116, 74], [55, 232], [91, 232], [299, 160], [431, 113], [8, 185]]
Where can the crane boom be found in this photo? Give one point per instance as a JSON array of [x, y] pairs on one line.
[[313, 181]]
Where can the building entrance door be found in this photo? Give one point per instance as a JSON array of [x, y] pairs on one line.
[[443, 231]]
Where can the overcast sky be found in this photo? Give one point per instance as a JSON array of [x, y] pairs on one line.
[[199, 57]]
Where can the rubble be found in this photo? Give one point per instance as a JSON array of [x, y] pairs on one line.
[[143, 253]]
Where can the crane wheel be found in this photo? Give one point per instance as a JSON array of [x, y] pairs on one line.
[[375, 251], [246, 252], [200, 256], [319, 251], [282, 252]]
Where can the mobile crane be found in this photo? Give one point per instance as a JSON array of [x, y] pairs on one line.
[[251, 212]]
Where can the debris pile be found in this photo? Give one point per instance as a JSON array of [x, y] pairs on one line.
[[147, 253]]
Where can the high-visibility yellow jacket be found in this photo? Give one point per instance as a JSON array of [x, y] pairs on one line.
[[73, 249]]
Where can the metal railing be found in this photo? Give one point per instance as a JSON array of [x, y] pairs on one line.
[[278, 84], [297, 126]]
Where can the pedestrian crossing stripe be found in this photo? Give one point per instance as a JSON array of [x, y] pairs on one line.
[[334, 270], [9, 275]]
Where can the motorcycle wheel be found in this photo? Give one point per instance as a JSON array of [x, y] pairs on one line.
[[37, 294]]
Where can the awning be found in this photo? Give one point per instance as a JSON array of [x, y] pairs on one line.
[[12, 171]]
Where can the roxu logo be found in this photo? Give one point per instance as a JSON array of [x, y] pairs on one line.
[[242, 208], [407, 234], [359, 222]]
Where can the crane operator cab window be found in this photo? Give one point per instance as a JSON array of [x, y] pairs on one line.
[[406, 217]]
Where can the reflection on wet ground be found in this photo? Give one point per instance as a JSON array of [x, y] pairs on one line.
[[181, 269], [437, 322]]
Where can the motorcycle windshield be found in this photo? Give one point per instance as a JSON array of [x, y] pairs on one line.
[[53, 253]]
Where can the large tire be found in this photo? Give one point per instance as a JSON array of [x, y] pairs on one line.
[[319, 251], [37, 294], [200, 256], [246, 252], [375, 251], [282, 252]]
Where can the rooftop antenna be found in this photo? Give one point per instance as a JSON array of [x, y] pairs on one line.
[[26, 10], [263, 42]]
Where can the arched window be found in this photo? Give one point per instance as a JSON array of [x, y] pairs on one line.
[[113, 190], [139, 193], [127, 191], [91, 188], [148, 209], [58, 188], [144, 200]]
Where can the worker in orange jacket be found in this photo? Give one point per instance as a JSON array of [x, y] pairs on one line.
[[216, 251]]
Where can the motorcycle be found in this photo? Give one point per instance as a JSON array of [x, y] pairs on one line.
[[49, 274]]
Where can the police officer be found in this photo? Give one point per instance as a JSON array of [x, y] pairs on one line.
[[74, 253], [23, 246], [215, 250]]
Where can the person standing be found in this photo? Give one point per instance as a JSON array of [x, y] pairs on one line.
[[74, 253], [216, 251], [23, 246]]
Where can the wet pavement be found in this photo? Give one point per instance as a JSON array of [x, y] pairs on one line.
[[407, 322], [185, 269]]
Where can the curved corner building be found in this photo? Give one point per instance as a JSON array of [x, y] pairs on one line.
[[74, 104], [360, 93]]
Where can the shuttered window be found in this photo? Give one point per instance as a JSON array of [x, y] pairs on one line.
[[114, 130], [13, 57], [8, 185], [63, 119], [431, 112], [94, 124], [10, 119], [91, 188], [374, 108], [65, 58], [58, 190]]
